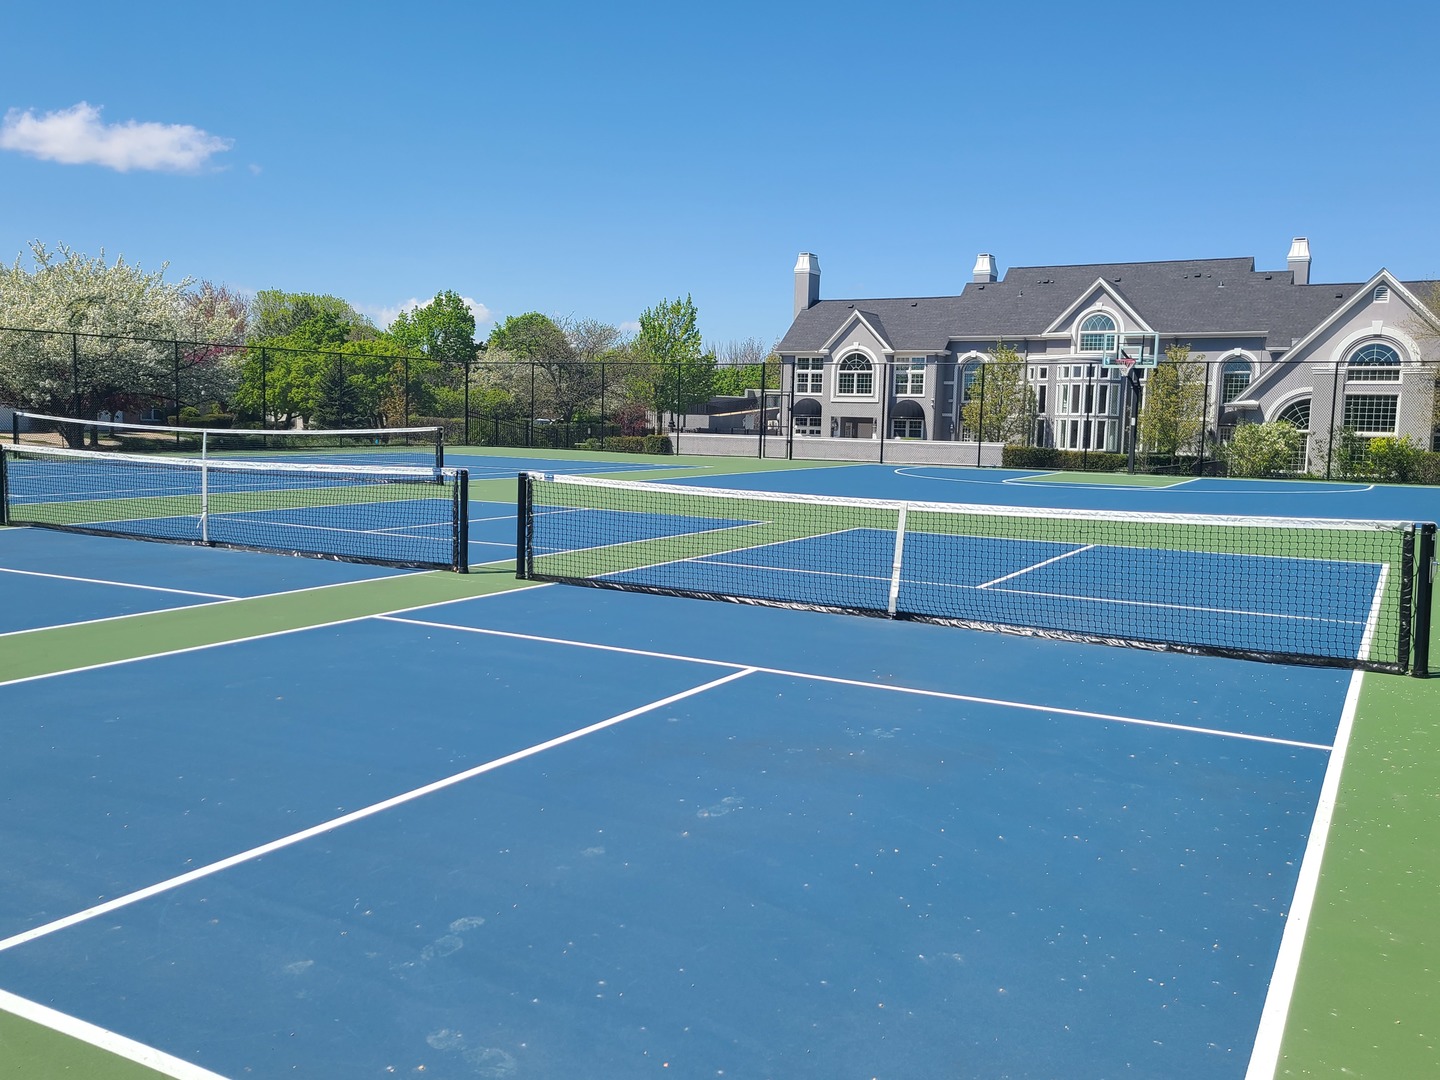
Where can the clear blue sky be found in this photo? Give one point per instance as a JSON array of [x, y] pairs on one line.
[[593, 159]]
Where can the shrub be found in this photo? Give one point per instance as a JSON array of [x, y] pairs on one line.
[[1263, 449], [1029, 457], [1396, 461], [656, 444], [626, 444]]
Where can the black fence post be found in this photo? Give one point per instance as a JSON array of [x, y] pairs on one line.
[[465, 374], [980, 417], [1330, 437], [75, 376], [887, 374]]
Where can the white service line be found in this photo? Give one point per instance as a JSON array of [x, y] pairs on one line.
[[120, 584], [356, 815], [945, 695], [241, 640]]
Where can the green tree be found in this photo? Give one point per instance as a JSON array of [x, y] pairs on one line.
[[284, 376], [443, 329], [1172, 417], [741, 366], [1267, 449], [998, 400], [671, 371], [444, 332], [537, 364], [595, 345], [111, 335], [338, 397], [276, 314]]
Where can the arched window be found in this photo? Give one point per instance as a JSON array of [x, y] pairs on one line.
[[856, 377], [1298, 413], [1097, 333], [1234, 378], [1375, 362]]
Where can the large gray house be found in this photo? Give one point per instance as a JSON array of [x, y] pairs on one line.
[[1359, 356]]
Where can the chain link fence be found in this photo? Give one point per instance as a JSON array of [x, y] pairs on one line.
[[1197, 417]]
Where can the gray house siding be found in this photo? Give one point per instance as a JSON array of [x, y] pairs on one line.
[[1290, 341]]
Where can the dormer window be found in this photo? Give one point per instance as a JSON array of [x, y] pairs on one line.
[[1097, 334]]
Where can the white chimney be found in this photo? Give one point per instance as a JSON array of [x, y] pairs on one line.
[[1299, 260], [807, 281], [984, 269]]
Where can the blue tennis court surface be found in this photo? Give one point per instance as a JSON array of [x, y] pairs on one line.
[[568, 832]]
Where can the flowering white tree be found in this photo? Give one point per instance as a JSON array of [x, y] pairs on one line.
[[82, 334]]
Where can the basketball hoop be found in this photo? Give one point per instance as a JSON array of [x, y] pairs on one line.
[[1122, 360]]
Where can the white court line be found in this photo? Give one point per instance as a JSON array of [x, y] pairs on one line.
[[815, 677], [120, 584], [1035, 566], [1265, 1057], [239, 640], [104, 1039], [356, 815]]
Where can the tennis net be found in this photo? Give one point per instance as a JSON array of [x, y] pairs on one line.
[[410, 446], [1340, 593], [390, 515]]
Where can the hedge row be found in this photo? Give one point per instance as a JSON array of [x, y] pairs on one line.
[[632, 444], [1049, 457]]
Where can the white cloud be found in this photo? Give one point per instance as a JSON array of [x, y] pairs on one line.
[[77, 136], [630, 329], [384, 316]]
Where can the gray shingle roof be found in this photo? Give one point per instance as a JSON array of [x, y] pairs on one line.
[[1186, 298]]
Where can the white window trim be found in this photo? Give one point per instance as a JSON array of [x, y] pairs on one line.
[[910, 365], [876, 373], [1078, 334]]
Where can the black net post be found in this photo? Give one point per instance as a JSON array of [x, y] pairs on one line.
[[524, 563], [4, 491], [1424, 599], [460, 555]]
